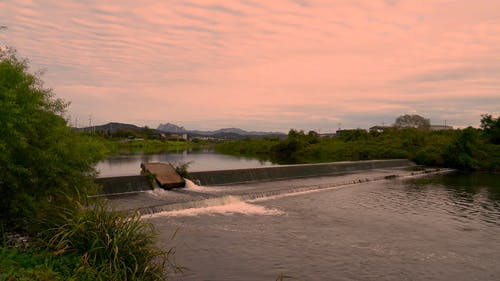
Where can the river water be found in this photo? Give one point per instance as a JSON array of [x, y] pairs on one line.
[[199, 160], [440, 227]]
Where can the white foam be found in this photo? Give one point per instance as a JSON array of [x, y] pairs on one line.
[[194, 187], [159, 192], [224, 205]]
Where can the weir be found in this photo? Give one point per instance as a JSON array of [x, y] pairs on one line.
[[236, 190], [139, 183], [124, 184], [240, 197], [283, 172]]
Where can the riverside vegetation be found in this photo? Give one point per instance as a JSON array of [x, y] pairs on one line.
[[49, 229], [469, 149]]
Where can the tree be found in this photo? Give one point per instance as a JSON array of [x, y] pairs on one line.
[[43, 162], [491, 128], [413, 121]]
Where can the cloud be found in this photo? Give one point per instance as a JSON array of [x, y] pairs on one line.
[[264, 64]]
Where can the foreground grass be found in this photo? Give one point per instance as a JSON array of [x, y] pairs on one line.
[[37, 264], [90, 244]]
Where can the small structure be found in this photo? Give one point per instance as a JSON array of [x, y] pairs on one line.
[[379, 129], [440, 127], [164, 173]]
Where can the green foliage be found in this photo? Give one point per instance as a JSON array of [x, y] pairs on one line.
[[491, 127], [36, 264], [46, 168], [412, 121], [182, 169], [144, 146], [463, 152], [111, 245], [90, 244], [469, 149], [43, 161]]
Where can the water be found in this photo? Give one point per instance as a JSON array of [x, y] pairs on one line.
[[441, 227], [200, 160]]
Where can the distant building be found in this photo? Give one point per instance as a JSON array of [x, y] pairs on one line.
[[440, 127], [379, 129], [327, 135]]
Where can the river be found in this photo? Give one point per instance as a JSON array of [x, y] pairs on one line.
[[199, 160], [439, 227]]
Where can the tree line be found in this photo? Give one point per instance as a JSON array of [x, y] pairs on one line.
[[465, 149]]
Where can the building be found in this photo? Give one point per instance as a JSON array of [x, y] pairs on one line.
[[379, 129], [440, 127]]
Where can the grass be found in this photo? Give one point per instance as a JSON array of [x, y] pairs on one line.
[[35, 264], [90, 244], [112, 245], [146, 146]]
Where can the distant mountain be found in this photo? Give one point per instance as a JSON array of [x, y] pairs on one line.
[[170, 128], [224, 133], [113, 127]]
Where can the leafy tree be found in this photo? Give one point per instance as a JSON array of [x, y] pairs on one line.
[[491, 127], [414, 121], [463, 152], [43, 161]]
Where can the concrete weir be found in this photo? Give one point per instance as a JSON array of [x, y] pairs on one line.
[[166, 176], [274, 173]]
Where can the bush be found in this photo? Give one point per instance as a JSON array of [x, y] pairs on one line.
[[182, 169], [112, 245], [43, 161]]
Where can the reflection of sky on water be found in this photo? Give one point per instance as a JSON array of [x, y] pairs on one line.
[[199, 161], [427, 228]]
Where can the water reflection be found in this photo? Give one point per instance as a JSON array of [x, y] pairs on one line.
[[200, 160], [464, 185], [441, 227], [467, 196]]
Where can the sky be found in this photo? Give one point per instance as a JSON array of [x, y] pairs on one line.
[[263, 65]]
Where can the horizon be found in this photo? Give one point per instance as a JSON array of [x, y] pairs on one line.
[[261, 66], [251, 130]]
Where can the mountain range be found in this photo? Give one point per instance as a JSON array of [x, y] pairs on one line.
[[172, 128]]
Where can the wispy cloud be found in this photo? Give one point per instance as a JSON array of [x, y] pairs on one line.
[[264, 64]]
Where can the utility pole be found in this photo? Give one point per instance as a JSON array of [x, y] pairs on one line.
[[90, 123]]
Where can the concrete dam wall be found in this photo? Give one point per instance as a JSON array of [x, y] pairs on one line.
[[124, 184], [237, 176], [128, 184]]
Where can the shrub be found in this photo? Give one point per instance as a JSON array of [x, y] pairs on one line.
[[112, 245], [182, 169], [43, 162]]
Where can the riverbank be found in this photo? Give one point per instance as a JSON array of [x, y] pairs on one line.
[[469, 149], [126, 146]]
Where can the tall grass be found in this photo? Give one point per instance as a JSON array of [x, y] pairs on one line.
[[112, 245]]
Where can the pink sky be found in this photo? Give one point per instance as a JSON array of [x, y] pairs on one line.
[[264, 65]]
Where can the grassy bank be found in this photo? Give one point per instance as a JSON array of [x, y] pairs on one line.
[[467, 149], [116, 147], [88, 244]]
